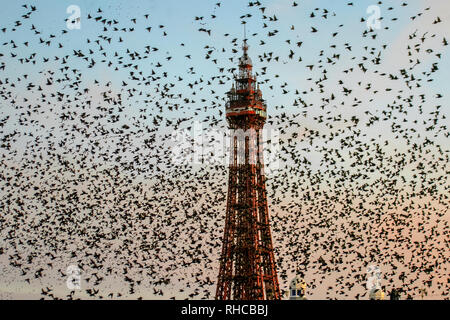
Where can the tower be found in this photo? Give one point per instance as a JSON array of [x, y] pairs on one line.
[[247, 265]]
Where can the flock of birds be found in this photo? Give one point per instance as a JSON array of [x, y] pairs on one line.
[[88, 178]]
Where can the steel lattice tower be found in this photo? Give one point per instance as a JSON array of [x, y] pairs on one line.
[[247, 264]]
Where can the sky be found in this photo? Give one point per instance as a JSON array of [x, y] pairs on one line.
[[133, 89]]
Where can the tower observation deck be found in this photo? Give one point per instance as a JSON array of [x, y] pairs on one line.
[[245, 97]]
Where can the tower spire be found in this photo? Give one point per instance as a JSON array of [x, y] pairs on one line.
[[245, 45], [245, 34]]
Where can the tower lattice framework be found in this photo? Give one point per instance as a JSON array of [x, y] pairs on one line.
[[247, 265]]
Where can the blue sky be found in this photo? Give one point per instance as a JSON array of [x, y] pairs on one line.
[[181, 27]]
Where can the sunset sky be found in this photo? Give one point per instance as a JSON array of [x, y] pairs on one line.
[[89, 120]]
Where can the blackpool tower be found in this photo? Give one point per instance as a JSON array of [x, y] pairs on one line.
[[247, 265]]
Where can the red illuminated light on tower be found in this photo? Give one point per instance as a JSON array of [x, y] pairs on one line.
[[247, 264]]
